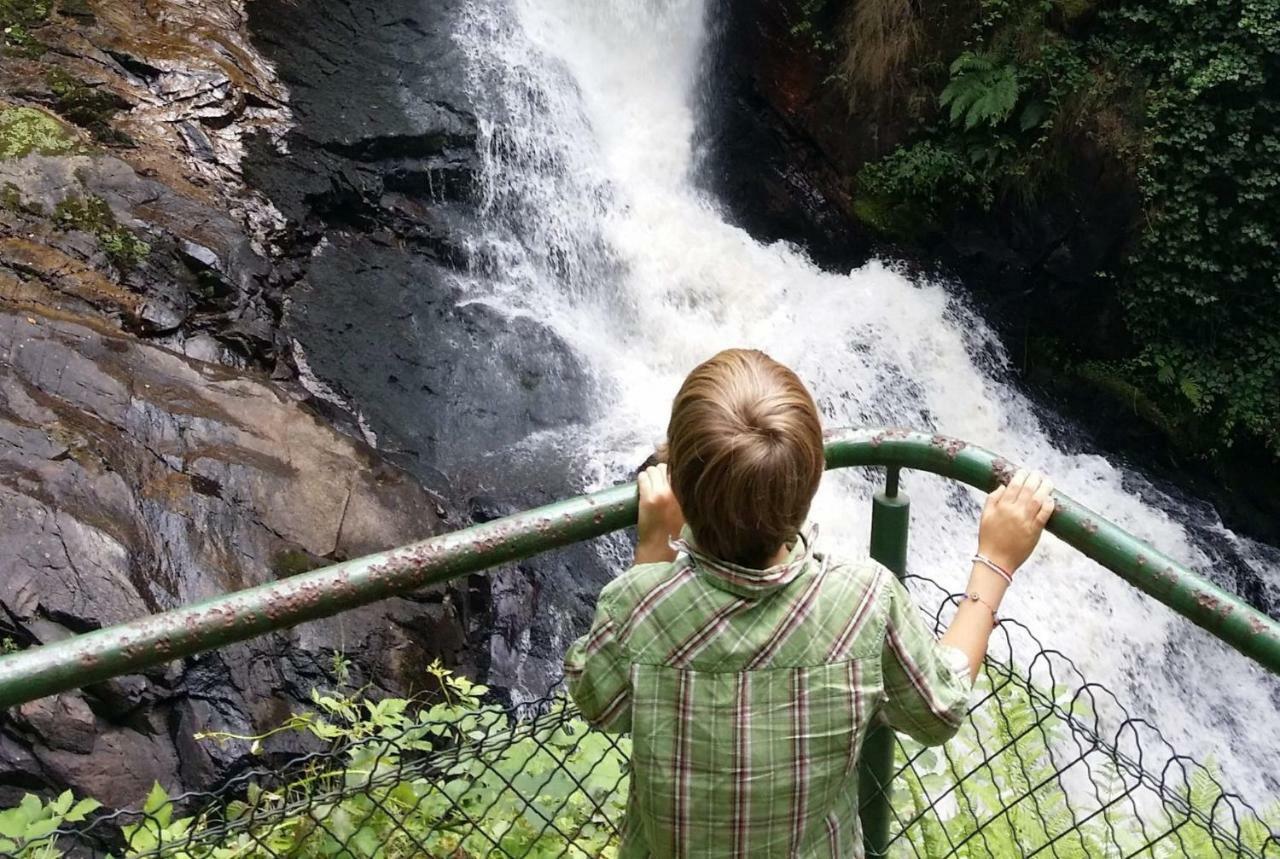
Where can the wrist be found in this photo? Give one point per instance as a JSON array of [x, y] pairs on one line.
[[652, 549], [985, 580], [1005, 562]]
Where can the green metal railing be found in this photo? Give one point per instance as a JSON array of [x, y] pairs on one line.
[[131, 647]]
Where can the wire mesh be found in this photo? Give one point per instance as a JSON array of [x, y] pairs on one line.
[[1047, 764]]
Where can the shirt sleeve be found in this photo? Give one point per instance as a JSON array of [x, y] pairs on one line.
[[599, 674], [926, 684]]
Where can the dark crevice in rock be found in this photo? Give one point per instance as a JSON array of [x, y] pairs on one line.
[[143, 70]]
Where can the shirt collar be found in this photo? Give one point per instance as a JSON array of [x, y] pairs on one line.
[[745, 581]]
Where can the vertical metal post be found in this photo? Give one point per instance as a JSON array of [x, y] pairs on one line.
[[890, 520]]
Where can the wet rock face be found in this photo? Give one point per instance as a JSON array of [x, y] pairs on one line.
[[235, 345], [379, 191], [147, 457], [454, 382], [135, 480], [198, 282]]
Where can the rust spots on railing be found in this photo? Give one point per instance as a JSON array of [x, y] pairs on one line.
[[948, 445], [890, 434], [1208, 602], [1003, 469]]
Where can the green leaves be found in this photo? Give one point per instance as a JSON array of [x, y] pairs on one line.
[[997, 788], [1186, 108], [981, 91], [28, 829], [450, 779]]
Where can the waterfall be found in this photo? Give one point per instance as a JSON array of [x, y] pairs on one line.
[[593, 226]]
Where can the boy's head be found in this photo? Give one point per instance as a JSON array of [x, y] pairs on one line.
[[744, 448]]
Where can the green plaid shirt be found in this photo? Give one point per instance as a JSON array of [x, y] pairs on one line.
[[747, 694]]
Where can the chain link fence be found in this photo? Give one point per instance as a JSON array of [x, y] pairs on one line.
[[1047, 764]]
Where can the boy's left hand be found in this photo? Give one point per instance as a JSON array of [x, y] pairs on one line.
[[660, 517]]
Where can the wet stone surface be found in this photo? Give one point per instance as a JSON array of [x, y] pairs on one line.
[[380, 197], [135, 480], [155, 445]]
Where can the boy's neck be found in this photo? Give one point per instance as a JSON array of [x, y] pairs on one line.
[[779, 557]]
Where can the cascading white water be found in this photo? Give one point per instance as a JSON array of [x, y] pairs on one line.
[[594, 227]]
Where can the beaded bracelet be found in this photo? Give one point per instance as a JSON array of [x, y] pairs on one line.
[[994, 567], [974, 596]]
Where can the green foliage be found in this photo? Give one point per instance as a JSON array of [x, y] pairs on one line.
[[24, 130], [26, 831], [519, 786], [1203, 286], [93, 215], [1189, 103], [1013, 797], [912, 190], [982, 91], [399, 791], [8, 645], [811, 22]]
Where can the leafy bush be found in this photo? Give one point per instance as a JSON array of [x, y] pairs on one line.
[[27, 830], [459, 779], [915, 187], [450, 779], [1189, 105], [982, 90], [1015, 800], [1203, 284]]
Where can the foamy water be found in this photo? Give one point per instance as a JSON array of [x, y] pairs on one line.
[[594, 226]]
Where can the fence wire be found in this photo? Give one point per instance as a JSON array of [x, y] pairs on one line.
[[1047, 764]]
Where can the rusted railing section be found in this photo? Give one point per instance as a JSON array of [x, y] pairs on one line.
[[131, 647]]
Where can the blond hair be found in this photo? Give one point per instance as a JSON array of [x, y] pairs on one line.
[[744, 447]]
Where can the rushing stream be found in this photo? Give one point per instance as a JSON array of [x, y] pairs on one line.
[[595, 227]]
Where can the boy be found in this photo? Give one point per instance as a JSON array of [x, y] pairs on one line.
[[746, 666]]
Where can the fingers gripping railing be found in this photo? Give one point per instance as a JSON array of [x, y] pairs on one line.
[[131, 647]]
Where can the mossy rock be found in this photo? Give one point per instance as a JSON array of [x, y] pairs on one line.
[[12, 200], [28, 12], [293, 562], [11, 197], [87, 106], [17, 19], [24, 130], [93, 215], [893, 219]]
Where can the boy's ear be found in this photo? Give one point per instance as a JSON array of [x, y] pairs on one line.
[[658, 457]]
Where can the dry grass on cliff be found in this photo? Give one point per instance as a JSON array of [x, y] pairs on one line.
[[881, 40]]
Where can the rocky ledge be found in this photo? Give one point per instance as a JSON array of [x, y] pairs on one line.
[[157, 445]]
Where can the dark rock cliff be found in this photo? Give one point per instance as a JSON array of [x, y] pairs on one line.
[[380, 196], [786, 142], [156, 446]]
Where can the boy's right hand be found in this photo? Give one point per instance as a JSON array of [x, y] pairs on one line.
[[660, 517], [1013, 519]]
